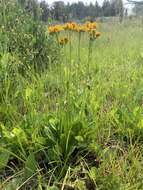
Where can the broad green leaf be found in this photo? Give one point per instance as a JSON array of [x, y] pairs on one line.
[[4, 157], [30, 166]]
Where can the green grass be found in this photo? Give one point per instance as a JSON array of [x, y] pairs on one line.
[[65, 130]]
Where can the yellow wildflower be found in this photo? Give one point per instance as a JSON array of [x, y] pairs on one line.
[[63, 40], [90, 25], [70, 26], [98, 34], [55, 29]]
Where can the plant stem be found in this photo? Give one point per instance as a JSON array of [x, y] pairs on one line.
[[78, 59], [69, 80], [79, 43], [89, 56], [4, 15]]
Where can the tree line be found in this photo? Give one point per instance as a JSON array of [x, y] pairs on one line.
[[138, 7], [63, 12], [80, 10]]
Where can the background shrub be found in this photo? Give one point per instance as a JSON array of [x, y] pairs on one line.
[[26, 38]]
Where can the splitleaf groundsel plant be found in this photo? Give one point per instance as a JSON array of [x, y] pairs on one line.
[[64, 34], [71, 29]]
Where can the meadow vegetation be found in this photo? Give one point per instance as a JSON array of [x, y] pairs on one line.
[[71, 105]]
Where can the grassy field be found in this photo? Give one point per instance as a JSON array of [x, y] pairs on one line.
[[78, 125]]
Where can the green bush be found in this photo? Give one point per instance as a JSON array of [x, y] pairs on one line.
[[26, 38]]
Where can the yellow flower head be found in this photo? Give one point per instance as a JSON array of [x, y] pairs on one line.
[[94, 25], [94, 34], [55, 29], [70, 26], [98, 34], [63, 40], [90, 26]]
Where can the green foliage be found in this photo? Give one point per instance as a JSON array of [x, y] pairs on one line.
[[26, 39]]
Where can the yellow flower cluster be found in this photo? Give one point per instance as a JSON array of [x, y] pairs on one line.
[[88, 27], [73, 26], [70, 26], [55, 29], [91, 28]]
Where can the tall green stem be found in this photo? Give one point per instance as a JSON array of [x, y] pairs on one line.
[[79, 43], [4, 21], [78, 59], [89, 56], [3, 12], [69, 80]]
